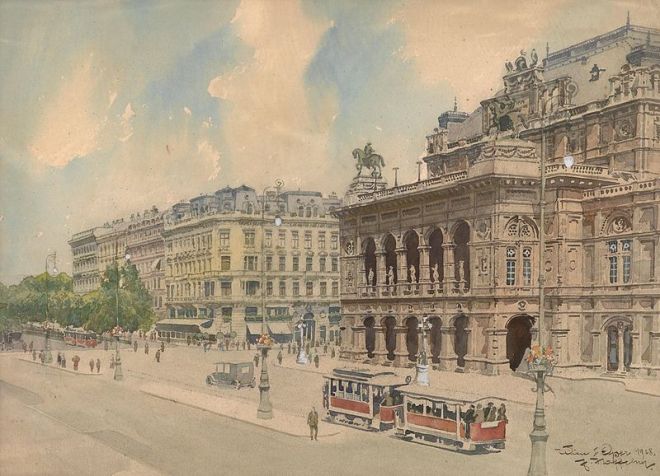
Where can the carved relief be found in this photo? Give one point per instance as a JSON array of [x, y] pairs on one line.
[[520, 228], [483, 228]]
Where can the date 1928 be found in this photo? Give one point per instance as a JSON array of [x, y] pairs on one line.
[[606, 455]]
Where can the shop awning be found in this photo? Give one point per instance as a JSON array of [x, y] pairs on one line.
[[279, 328], [254, 328], [191, 326]]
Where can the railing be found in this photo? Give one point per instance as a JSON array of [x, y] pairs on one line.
[[421, 185], [614, 190], [577, 169]]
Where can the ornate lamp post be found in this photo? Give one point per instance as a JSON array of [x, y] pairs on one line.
[[422, 367], [118, 375], [265, 410], [50, 260], [543, 366], [302, 357]]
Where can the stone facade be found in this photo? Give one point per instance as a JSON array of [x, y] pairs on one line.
[[217, 247], [462, 247]]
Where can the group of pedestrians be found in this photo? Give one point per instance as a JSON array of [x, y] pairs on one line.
[[481, 414]]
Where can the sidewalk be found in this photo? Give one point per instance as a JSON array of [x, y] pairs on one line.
[[53, 365], [643, 385], [282, 422]]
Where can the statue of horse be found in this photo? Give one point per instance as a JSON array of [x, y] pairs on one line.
[[373, 162]]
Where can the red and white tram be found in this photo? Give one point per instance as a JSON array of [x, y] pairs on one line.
[[431, 417], [80, 337], [362, 398]]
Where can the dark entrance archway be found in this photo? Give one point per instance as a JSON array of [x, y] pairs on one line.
[[389, 323], [390, 257], [518, 339], [436, 257], [614, 340], [460, 339], [435, 337], [370, 336], [310, 327], [370, 260], [412, 338], [411, 243]]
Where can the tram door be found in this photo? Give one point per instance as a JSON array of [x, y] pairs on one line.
[[612, 348]]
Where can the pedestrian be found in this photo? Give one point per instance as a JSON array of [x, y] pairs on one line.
[[288, 348], [316, 360], [31, 347], [146, 348], [469, 419], [59, 359], [24, 346], [332, 353], [307, 347], [98, 366], [42, 356], [313, 422], [325, 349], [256, 360], [112, 361], [76, 361], [162, 346], [91, 366], [491, 412], [501, 413], [34, 354], [279, 357], [158, 356], [135, 346], [188, 340], [479, 416]]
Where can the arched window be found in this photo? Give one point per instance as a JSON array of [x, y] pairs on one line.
[[390, 260], [462, 255], [412, 256]]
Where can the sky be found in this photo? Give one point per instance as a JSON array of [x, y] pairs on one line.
[[108, 107]]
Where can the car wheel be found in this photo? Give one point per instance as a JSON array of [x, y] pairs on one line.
[[209, 381]]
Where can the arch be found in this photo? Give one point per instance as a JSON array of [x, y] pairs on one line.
[[369, 251], [461, 240], [460, 339], [412, 338], [436, 255], [369, 335], [518, 338], [389, 324], [411, 243], [435, 338], [619, 334], [520, 227], [389, 246]]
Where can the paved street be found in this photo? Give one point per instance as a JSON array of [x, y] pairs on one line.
[[58, 417]]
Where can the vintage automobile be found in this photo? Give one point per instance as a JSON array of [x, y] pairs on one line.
[[233, 375]]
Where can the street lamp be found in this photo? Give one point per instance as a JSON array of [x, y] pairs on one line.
[[265, 410], [302, 356], [539, 435], [118, 375], [422, 367], [50, 259]]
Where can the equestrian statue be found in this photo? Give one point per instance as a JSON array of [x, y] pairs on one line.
[[369, 159]]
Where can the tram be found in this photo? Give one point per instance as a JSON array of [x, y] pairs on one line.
[[432, 417], [80, 337]]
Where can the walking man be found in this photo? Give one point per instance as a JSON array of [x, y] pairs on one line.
[[146, 348], [313, 422], [135, 346], [34, 354], [98, 366], [279, 357], [256, 360], [158, 356], [162, 346], [91, 366], [469, 419], [316, 360], [76, 361], [288, 348]]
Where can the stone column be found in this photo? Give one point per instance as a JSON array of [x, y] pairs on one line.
[[359, 349], [469, 357], [424, 268], [654, 338], [595, 349], [619, 341], [400, 352], [447, 355], [402, 264], [381, 271], [497, 360], [636, 361], [380, 352], [449, 283]]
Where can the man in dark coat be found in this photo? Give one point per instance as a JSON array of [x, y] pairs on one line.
[[279, 357], [313, 423], [162, 346], [146, 348], [256, 360], [91, 365], [98, 366], [158, 356], [316, 360], [469, 418], [135, 346]]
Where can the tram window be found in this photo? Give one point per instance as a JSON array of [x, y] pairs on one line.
[[349, 391], [365, 393], [333, 388], [409, 407], [449, 415], [428, 410]]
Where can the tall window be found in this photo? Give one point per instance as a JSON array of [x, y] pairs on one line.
[[296, 288], [269, 288], [225, 288], [225, 263], [268, 241], [282, 288], [251, 288], [250, 263], [322, 264], [321, 240], [281, 239], [308, 240], [619, 254], [249, 238], [323, 288], [335, 288], [335, 265], [510, 266], [282, 263], [308, 263], [334, 241], [527, 266], [269, 263], [296, 263], [224, 239], [295, 243], [309, 288]]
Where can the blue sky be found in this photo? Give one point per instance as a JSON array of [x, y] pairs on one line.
[[108, 108]]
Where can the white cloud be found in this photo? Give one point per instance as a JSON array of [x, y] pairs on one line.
[[271, 126], [71, 122], [187, 111], [211, 156]]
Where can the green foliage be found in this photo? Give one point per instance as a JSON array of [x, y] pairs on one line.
[[38, 296]]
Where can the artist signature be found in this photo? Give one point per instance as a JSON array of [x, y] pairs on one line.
[[606, 455]]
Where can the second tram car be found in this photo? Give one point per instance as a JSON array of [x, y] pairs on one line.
[[80, 337]]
